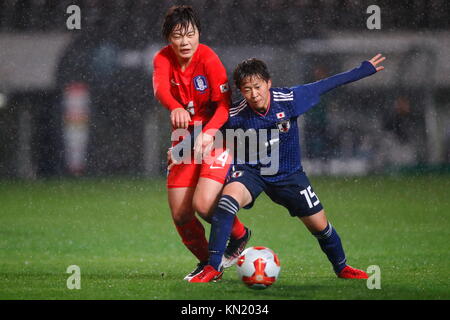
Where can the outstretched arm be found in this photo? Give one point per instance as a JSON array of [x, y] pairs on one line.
[[366, 69], [309, 95]]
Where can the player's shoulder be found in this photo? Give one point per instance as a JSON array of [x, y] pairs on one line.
[[281, 90], [238, 107], [207, 54], [206, 50], [164, 54], [281, 94]]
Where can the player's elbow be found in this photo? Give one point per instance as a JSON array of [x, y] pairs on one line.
[[157, 92]]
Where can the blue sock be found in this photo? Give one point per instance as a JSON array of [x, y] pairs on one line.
[[330, 243], [221, 225]]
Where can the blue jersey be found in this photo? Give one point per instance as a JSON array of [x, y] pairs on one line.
[[281, 137], [286, 105]]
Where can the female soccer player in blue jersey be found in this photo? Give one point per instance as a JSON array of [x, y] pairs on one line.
[[265, 108]]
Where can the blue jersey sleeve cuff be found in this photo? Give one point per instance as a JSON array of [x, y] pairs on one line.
[[367, 68]]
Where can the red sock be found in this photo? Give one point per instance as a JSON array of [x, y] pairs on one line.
[[238, 229], [193, 236]]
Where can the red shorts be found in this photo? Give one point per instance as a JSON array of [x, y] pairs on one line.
[[215, 167]]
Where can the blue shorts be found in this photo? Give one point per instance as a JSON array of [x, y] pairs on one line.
[[294, 193]]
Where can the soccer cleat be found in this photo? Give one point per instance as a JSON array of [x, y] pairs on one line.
[[196, 271], [234, 249], [208, 274], [352, 273]]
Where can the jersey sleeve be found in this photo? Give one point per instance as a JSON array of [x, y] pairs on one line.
[[232, 123], [219, 117], [217, 77], [308, 95], [220, 91], [161, 82]]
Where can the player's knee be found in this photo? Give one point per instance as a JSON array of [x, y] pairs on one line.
[[204, 205], [204, 214], [316, 222], [179, 221], [181, 217], [239, 192]]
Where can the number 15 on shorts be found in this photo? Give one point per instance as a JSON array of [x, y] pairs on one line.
[[309, 196]]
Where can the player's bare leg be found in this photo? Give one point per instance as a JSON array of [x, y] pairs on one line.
[[330, 244], [180, 203], [188, 226], [206, 195], [239, 192], [315, 223]]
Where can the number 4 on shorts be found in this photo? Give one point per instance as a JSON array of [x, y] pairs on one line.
[[222, 159], [309, 194]]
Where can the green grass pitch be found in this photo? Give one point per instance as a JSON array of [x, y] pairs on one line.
[[119, 232]]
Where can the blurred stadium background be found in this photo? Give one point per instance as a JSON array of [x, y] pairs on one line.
[[80, 102]]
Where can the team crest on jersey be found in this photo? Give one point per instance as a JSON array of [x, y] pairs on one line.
[[237, 174], [284, 126], [200, 83]]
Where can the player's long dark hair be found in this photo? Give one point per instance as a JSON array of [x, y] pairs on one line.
[[180, 15], [249, 68]]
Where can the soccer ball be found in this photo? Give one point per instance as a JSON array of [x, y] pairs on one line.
[[258, 267]]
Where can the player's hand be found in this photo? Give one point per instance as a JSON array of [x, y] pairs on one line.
[[180, 118], [376, 60], [203, 145], [170, 160]]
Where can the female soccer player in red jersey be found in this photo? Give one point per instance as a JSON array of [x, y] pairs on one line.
[[191, 82]]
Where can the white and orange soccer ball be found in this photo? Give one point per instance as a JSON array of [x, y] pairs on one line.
[[258, 267]]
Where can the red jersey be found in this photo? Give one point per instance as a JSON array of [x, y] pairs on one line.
[[203, 83]]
